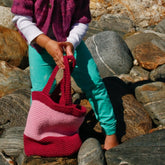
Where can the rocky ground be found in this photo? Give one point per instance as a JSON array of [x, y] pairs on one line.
[[126, 39]]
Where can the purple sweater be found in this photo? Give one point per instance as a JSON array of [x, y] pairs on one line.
[[62, 14]]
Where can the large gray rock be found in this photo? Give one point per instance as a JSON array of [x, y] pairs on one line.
[[146, 149], [110, 53]]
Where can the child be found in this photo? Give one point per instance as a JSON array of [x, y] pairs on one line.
[[54, 27]]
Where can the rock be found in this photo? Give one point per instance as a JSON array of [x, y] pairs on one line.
[[159, 43], [149, 56], [86, 104], [139, 74], [127, 78], [36, 160], [12, 46], [143, 13], [137, 120], [152, 97], [139, 38], [150, 92], [12, 78], [91, 153], [146, 149], [7, 3], [160, 27], [3, 161], [121, 24], [160, 127], [14, 108], [136, 74], [93, 28], [110, 53], [158, 74], [11, 142], [6, 17]]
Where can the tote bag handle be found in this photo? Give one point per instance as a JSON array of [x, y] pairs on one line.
[[65, 83]]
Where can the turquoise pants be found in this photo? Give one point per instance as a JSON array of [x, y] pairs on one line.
[[86, 76]]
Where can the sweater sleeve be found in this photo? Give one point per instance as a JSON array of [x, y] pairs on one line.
[[27, 27], [77, 33], [31, 31], [23, 7]]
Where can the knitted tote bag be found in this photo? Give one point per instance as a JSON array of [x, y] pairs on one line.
[[52, 126]]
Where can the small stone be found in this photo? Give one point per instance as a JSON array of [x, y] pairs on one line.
[[91, 153], [158, 73]]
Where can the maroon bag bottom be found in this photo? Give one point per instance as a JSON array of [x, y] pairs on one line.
[[52, 146]]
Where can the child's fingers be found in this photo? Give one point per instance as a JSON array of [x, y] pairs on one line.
[[58, 58], [67, 47]]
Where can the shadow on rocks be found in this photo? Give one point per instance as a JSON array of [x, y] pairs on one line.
[[117, 89]]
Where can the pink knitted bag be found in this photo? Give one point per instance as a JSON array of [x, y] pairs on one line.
[[52, 126]]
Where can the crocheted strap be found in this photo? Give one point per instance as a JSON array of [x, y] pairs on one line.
[[65, 83]]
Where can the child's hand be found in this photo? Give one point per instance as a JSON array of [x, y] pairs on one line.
[[68, 48], [55, 49], [110, 142]]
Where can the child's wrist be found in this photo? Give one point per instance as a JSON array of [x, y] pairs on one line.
[[42, 40]]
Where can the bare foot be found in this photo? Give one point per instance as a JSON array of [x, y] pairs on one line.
[[110, 142]]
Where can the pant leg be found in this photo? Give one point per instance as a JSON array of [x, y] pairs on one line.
[[88, 79], [41, 67]]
